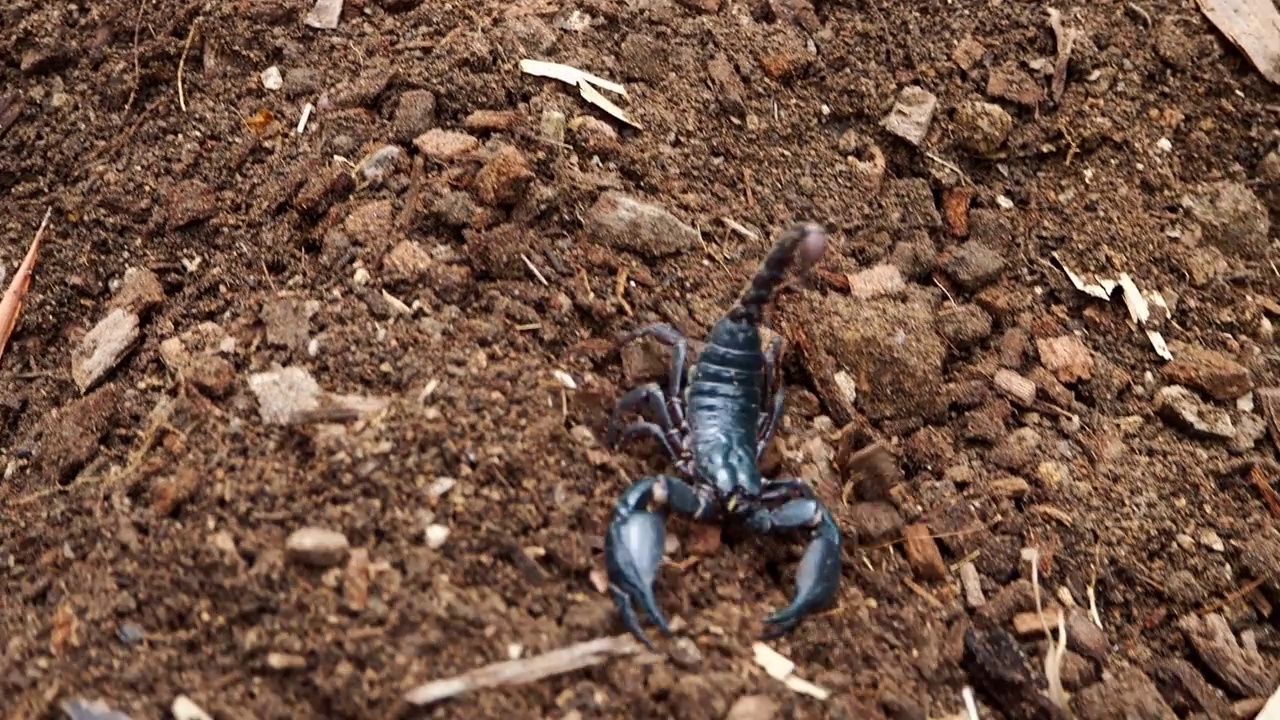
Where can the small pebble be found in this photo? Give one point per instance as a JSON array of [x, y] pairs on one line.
[[184, 709], [1210, 539], [685, 653], [317, 547], [440, 486], [130, 633], [753, 707], [436, 535], [272, 79], [285, 661]]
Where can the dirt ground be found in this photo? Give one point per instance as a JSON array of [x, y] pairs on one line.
[[397, 326]]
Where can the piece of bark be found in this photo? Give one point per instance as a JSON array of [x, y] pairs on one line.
[[923, 554]]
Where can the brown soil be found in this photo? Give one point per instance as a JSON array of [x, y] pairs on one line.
[[144, 522]]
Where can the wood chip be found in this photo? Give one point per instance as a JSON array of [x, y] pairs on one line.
[[1015, 387], [1237, 663], [1251, 25], [527, 670], [923, 554], [780, 668], [103, 347], [972, 584]]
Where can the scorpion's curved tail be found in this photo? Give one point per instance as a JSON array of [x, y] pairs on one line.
[[803, 243]]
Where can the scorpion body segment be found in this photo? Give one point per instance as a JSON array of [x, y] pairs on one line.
[[715, 427]]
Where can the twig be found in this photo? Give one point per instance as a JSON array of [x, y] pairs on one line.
[[527, 670], [620, 291], [970, 704], [531, 266], [137, 66], [950, 166], [11, 304], [1240, 594], [415, 191], [182, 63], [1268, 493], [1146, 18], [1091, 591], [1065, 40]]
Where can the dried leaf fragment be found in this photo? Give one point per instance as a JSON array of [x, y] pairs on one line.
[[11, 304], [593, 96], [568, 74], [1251, 25]]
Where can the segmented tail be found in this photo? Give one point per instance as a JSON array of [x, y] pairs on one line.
[[805, 243]]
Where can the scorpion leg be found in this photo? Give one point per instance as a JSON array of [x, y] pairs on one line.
[[786, 489], [643, 429], [637, 398], [668, 335], [818, 577], [769, 422], [634, 544], [769, 419]]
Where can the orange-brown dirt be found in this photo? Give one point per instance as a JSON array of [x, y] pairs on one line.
[[433, 291]]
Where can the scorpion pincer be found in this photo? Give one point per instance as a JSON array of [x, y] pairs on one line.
[[715, 447]]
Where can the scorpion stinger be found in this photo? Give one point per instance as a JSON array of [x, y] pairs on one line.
[[734, 406]]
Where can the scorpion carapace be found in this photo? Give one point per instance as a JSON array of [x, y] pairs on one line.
[[715, 427]]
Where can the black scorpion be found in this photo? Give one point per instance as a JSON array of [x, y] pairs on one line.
[[716, 447]]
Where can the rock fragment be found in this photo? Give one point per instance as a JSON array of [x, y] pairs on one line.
[[624, 223], [890, 343], [878, 281], [445, 145], [1181, 408], [963, 326], [912, 114], [753, 707], [1066, 357], [190, 202], [908, 204], [285, 394], [972, 584], [103, 348], [1012, 83], [324, 15], [503, 178], [1233, 218], [875, 522], [968, 53], [1210, 371], [973, 265], [982, 127], [317, 547], [139, 292], [415, 115]]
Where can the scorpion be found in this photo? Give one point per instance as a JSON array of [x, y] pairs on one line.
[[715, 448]]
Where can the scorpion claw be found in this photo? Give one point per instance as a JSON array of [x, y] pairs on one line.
[[817, 579], [633, 551]]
